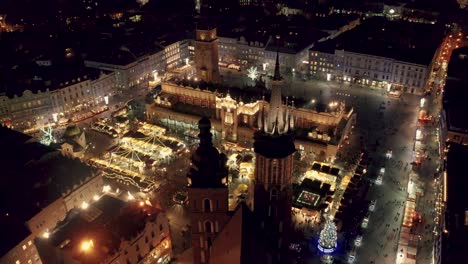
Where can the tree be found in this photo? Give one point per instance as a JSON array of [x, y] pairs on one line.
[[328, 235]]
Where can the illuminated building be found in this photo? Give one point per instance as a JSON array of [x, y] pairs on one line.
[[30, 110], [223, 236], [42, 187], [206, 53], [274, 148], [208, 194], [110, 231], [376, 60]]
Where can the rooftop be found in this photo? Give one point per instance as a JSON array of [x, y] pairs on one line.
[[33, 176], [105, 222], [455, 242], [400, 40], [458, 64], [455, 98]]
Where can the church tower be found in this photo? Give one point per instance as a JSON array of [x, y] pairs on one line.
[[206, 53], [207, 193], [274, 149]]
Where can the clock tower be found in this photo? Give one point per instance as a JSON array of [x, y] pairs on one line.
[[206, 53]]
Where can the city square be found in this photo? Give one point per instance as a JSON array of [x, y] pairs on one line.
[[240, 132]]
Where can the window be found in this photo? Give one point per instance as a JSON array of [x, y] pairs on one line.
[[160, 227], [273, 194], [209, 242], [208, 227], [207, 205], [24, 247], [202, 257]]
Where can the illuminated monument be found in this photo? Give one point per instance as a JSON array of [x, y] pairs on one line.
[[261, 235], [274, 149], [206, 53]]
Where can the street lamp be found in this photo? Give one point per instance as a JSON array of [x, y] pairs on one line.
[[87, 245]]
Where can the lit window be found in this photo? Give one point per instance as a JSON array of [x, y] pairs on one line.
[[29, 242], [24, 247]]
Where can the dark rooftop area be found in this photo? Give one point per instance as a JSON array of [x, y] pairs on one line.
[[458, 64], [455, 98], [404, 41], [33, 176], [107, 221], [455, 242]]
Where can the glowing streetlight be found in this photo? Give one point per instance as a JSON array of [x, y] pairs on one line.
[[87, 245], [96, 197], [130, 197], [106, 189], [84, 205], [46, 234]]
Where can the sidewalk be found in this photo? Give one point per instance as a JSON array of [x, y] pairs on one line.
[[416, 236]]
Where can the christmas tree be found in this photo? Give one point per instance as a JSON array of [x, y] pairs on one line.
[[328, 236]]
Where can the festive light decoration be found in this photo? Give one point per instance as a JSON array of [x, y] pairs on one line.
[[48, 136], [328, 238], [252, 73]]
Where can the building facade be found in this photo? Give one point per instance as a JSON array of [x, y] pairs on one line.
[[206, 54], [110, 231], [274, 148], [207, 194], [34, 110], [369, 70]]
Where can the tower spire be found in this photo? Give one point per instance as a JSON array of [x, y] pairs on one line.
[[277, 76]]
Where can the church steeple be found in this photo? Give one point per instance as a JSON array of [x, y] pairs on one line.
[[208, 165], [277, 75], [207, 194]]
